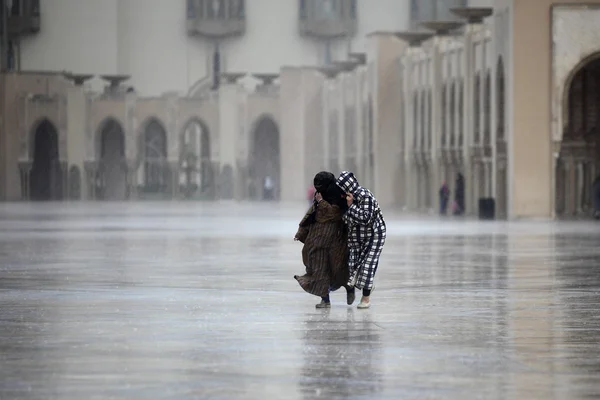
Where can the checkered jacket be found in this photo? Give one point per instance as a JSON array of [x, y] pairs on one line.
[[366, 232]]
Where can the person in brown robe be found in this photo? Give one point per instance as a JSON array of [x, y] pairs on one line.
[[324, 235]]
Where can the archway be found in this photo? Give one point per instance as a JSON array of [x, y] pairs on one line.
[[579, 158], [46, 178], [501, 145], [155, 172], [265, 159], [112, 172], [196, 176]]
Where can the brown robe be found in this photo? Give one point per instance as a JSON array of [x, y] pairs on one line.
[[325, 251]]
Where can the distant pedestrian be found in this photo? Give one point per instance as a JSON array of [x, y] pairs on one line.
[[444, 198], [269, 188], [459, 195]]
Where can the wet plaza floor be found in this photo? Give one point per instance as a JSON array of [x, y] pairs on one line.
[[181, 300]]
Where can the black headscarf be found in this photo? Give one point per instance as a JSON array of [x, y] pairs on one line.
[[325, 183], [322, 180]]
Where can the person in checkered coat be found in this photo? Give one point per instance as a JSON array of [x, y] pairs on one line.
[[366, 235]]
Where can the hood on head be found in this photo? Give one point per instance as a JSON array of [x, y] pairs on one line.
[[348, 182], [322, 181]]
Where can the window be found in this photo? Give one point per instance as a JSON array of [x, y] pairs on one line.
[[191, 9], [353, 11], [500, 99], [35, 8], [16, 8], [216, 9], [201, 9], [329, 9], [487, 111], [236, 9], [303, 11]]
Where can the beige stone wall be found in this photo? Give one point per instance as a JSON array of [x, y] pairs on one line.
[[292, 142], [80, 116], [387, 95], [21, 114], [530, 148], [536, 92]]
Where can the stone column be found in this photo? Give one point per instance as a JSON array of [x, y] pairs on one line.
[[24, 173], [132, 183], [467, 128]]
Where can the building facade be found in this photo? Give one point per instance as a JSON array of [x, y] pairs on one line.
[[504, 96], [176, 45]]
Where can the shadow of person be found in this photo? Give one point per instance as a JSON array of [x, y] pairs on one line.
[[342, 355]]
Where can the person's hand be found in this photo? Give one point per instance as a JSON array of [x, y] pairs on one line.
[[318, 197], [349, 199], [295, 239]]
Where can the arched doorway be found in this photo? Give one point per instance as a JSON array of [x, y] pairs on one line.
[[501, 144], [578, 163], [112, 171], [154, 171], [46, 178], [196, 175], [265, 170]]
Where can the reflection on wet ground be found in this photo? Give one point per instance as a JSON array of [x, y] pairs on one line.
[[197, 301]]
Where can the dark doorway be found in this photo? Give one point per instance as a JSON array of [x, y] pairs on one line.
[[46, 180], [113, 171], [579, 160], [156, 174], [265, 160], [196, 177]]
